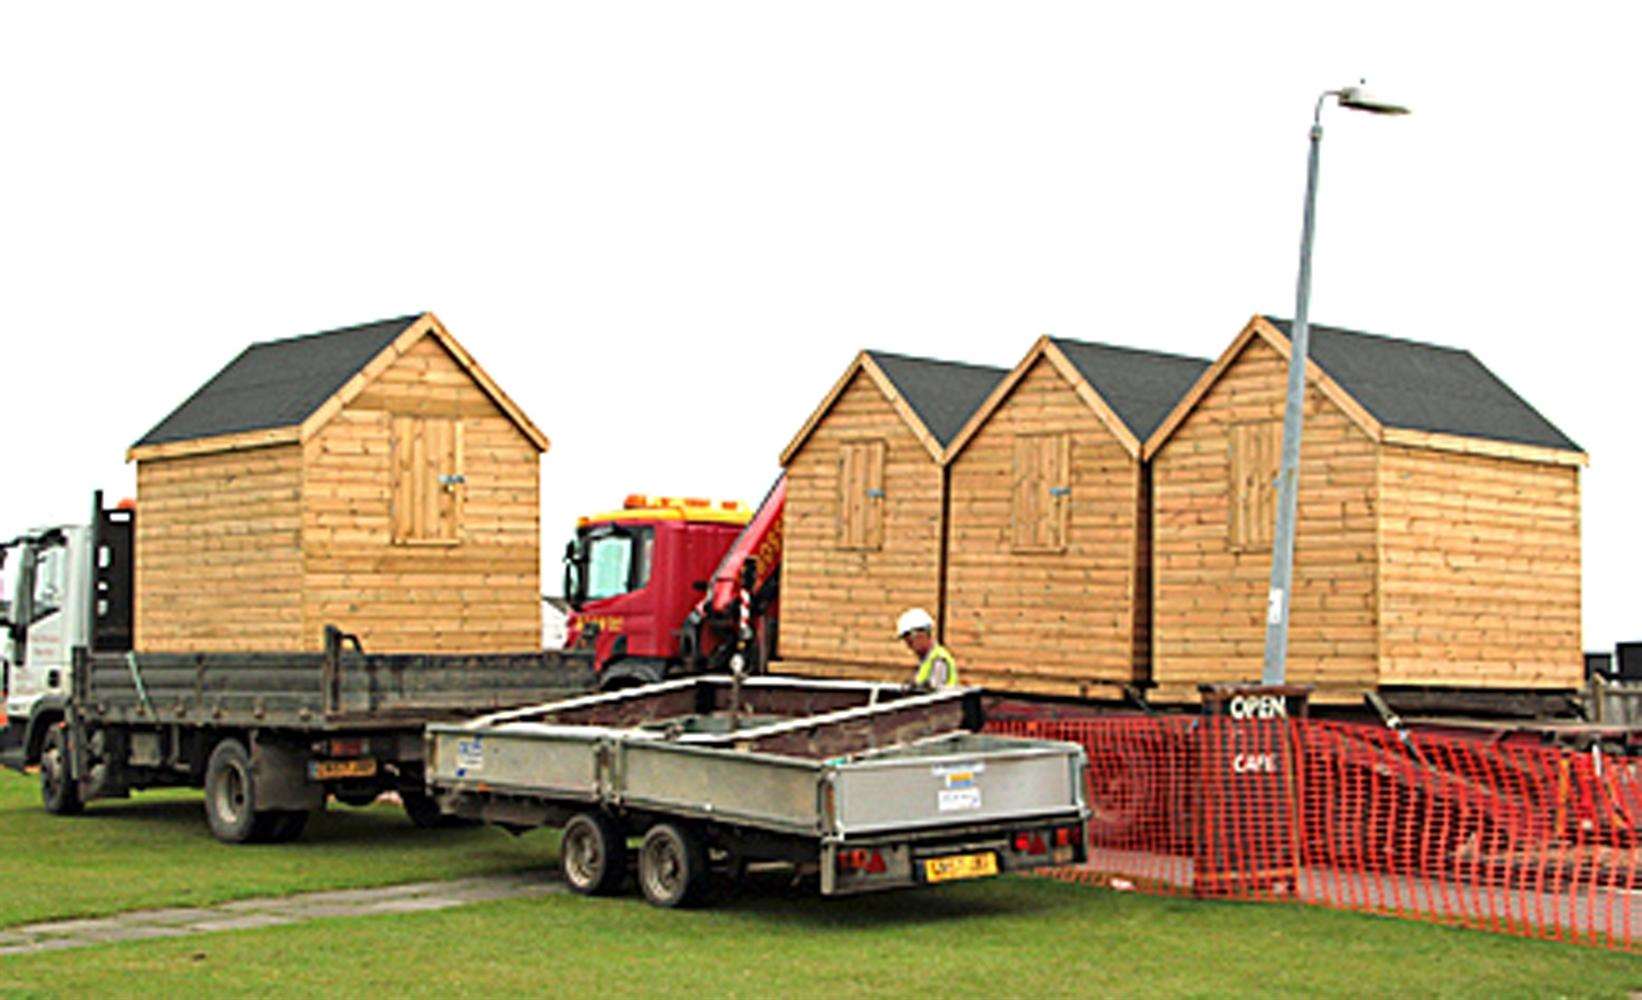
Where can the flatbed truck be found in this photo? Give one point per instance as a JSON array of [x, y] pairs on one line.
[[269, 736]]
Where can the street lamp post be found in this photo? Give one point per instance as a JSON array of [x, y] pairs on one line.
[[1288, 471]]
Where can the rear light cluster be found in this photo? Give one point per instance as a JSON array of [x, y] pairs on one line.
[[1038, 841], [1030, 843], [861, 859]]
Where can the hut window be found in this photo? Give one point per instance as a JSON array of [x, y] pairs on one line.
[[1041, 492], [427, 480], [1253, 488], [861, 495]]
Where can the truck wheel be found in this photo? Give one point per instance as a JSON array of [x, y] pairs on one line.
[[58, 792], [673, 866], [593, 854], [228, 805]]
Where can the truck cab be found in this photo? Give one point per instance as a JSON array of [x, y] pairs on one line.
[[49, 577], [633, 575]]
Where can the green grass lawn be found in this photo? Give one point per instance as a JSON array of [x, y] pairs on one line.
[[1009, 937], [154, 850]]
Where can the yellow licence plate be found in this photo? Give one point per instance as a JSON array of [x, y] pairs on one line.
[[360, 767], [961, 866]]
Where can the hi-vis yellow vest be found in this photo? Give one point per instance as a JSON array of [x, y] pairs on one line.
[[926, 668]]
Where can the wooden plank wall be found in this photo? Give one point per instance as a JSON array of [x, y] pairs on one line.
[[1480, 566], [1056, 620], [839, 604], [480, 594], [218, 560], [1209, 598]]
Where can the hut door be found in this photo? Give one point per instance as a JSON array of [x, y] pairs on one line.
[[427, 480], [1041, 492], [861, 495], [1252, 509]]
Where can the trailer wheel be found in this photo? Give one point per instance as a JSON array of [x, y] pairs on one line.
[[593, 854], [58, 792], [421, 808], [228, 806], [673, 866]]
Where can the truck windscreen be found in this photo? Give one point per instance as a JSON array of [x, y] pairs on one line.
[[610, 561]]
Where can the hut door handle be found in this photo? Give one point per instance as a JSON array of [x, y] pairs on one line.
[[456, 480], [876, 493], [1060, 491]]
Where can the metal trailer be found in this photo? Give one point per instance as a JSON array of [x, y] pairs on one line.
[[870, 785]]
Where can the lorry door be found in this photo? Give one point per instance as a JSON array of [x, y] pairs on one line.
[[41, 666], [615, 596]]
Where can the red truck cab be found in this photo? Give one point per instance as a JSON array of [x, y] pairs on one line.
[[633, 575]]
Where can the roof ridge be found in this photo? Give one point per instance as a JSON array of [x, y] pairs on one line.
[[1286, 325], [1057, 341], [920, 359], [350, 328]]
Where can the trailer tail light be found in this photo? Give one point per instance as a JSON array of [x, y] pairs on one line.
[[862, 860], [1030, 842]]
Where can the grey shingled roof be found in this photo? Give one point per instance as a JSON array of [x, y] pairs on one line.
[[277, 383], [1141, 387], [1423, 387], [944, 394]]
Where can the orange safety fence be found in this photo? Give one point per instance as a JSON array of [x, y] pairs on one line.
[[1518, 839]]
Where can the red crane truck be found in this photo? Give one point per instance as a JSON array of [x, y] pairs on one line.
[[667, 586]]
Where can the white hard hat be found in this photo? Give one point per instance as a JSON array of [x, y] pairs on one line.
[[911, 620]]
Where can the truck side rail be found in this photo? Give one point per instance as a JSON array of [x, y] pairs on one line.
[[317, 689]]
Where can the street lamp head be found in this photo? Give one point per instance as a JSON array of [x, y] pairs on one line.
[[1359, 99]]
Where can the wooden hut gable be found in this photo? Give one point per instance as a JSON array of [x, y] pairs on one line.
[[1129, 390], [933, 398]]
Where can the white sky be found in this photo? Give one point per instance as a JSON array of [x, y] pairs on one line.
[[666, 228]]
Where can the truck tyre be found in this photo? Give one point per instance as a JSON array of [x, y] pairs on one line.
[[673, 866], [593, 854], [58, 792], [229, 809]]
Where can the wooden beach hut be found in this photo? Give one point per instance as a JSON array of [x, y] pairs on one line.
[[866, 491], [1048, 560], [1437, 542], [373, 477]]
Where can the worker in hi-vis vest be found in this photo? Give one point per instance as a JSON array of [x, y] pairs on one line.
[[936, 667]]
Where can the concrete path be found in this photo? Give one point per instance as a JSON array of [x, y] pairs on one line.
[[272, 911]]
